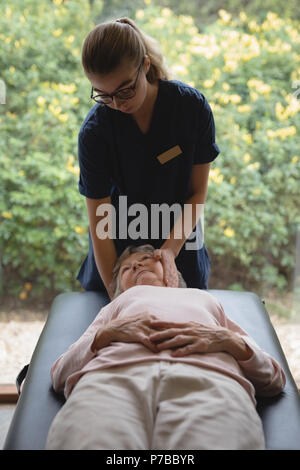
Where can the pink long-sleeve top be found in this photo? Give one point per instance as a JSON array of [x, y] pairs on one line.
[[260, 374]]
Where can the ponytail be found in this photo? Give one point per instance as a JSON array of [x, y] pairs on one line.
[[111, 43]]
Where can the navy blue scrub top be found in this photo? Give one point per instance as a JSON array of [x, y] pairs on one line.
[[116, 158]]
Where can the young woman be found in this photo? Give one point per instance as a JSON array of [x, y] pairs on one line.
[[150, 139]]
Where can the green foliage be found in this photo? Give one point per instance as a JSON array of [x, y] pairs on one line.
[[244, 68], [47, 97]]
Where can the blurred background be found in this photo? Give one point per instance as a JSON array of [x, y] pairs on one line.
[[244, 56]]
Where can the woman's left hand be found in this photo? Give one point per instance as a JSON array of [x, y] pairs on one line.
[[167, 258], [190, 337]]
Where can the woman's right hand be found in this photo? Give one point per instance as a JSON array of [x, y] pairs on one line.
[[132, 329]]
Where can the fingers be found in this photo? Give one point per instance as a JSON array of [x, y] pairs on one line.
[[146, 342], [165, 334], [190, 349], [157, 254], [175, 342], [156, 323]]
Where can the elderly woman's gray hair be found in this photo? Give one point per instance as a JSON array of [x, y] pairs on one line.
[[115, 283]]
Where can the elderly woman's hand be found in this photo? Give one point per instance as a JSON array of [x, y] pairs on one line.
[[193, 337], [132, 329], [167, 258]]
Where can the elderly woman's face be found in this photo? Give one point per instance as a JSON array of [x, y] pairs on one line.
[[141, 269]]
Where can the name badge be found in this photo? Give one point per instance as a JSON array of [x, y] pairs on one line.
[[169, 154]]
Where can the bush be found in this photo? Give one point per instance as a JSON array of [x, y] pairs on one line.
[[245, 70], [44, 222]]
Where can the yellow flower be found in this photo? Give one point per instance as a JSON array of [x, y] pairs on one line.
[[21, 172], [233, 180], [55, 110], [70, 39], [225, 17], [272, 22], [230, 65], [63, 117], [215, 176], [23, 295], [75, 100], [293, 107], [57, 2], [253, 96], [259, 86], [166, 12], [225, 86], [7, 215], [180, 70], [139, 14], [243, 16], [256, 191], [12, 69], [235, 99], [186, 19], [216, 74], [208, 83], [253, 26], [57, 32], [147, 2], [41, 100], [28, 286], [229, 232], [295, 159], [247, 157], [80, 230], [69, 89], [160, 21], [244, 108], [72, 169], [247, 138], [11, 115], [283, 132], [222, 223], [253, 166]]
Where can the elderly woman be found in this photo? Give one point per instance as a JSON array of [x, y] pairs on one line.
[[161, 368]]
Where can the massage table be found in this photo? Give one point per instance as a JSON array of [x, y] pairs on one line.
[[71, 313]]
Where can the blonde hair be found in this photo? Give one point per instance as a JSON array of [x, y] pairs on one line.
[[115, 283], [110, 43]]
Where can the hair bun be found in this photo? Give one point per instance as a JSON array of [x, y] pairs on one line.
[[122, 20]]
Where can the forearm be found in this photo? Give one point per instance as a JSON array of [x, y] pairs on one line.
[[236, 347], [105, 258], [73, 360], [185, 224], [101, 224]]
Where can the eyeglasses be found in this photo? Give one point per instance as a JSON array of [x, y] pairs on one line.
[[124, 94]]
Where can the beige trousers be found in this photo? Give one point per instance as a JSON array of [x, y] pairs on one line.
[[157, 405]]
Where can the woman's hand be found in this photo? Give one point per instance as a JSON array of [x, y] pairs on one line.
[[192, 337], [167, 258], [132, 329]]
